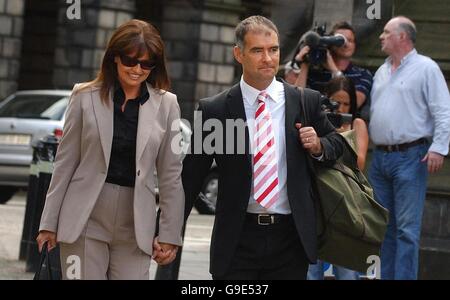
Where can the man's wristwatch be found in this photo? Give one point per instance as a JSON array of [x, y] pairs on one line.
[[337, 74]]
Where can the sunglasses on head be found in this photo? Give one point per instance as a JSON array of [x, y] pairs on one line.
[[132, 61]]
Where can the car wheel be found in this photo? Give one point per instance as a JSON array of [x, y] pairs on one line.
[[6, 193], [206, 202]]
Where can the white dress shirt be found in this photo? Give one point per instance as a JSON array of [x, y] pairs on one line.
[[276, 107]]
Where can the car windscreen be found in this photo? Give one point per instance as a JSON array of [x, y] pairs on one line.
[[46, 107]]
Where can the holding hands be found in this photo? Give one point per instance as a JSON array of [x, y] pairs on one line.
[[163, 253]]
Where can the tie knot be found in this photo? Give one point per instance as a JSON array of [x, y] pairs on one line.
[[262, 97]]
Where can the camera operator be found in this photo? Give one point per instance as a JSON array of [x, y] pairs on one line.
[[338, 63]]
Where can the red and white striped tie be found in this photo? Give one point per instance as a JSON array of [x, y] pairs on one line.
[[265, 169]]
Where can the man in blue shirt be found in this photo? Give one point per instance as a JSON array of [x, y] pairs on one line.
[[410, 126]]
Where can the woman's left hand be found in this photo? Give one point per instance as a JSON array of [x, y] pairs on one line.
[[164, 253]]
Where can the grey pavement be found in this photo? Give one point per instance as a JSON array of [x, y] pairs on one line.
[[194, 261]]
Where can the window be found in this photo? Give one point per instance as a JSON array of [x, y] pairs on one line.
[[35, 107]]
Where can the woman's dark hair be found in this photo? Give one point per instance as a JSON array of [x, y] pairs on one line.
[[134, 37], [342, 83]]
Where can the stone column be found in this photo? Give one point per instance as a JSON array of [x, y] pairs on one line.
[[11, 26], [199, 39], [81, 43], [332, 11]]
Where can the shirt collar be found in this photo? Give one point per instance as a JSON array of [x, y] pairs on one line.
[[250, 94], [349, 68], [143, 93], [405, 59]]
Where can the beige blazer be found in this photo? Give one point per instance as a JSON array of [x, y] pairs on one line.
[[82, 161]]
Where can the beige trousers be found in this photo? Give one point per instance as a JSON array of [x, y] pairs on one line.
[[107, 247]]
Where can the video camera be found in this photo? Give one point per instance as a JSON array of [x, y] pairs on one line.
[[331, 107], [319, 42]]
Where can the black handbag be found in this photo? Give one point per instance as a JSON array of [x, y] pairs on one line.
[[45, 271]]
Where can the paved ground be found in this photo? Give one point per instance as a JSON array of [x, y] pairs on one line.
[[194, 263]]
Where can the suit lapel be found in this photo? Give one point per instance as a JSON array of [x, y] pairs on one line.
[[236, 111], [104, 115], [147, 116]]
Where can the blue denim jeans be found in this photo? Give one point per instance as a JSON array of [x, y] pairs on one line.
[[399, 180], [316, 272]]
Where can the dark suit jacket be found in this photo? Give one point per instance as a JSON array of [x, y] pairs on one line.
[[235, 171]]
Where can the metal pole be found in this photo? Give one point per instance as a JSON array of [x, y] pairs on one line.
[[46, 158], [30, 205]]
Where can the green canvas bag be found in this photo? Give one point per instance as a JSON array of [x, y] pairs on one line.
[[350, 224]]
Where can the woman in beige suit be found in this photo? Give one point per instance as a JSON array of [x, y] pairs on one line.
[[101, 205]]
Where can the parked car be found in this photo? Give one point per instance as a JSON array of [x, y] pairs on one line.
[[28, 116]]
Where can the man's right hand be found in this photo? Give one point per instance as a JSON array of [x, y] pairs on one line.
[[300, 57], [330, 64], [46, 236], [434, 160]]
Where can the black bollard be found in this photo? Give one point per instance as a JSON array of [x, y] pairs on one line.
[[46, 158], [31, 203]]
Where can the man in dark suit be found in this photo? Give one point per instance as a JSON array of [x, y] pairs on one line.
[[265, 220]]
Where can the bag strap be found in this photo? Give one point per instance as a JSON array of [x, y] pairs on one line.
[[44, 260], [348, 172], [303, 105]]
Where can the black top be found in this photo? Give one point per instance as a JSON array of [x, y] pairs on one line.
[[362, 78], [122, 164]]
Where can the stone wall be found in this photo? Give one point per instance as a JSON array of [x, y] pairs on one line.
[[60, 52], [330, 12], [435, 237], [199, 43], [81, 43], [11, 25], [216, 67]]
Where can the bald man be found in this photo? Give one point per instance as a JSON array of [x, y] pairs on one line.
[[410, 126]]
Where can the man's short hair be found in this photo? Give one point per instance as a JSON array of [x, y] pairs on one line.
[[342, 25], [250, 24], [409, 29]]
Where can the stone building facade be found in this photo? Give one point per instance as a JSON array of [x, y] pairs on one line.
[[41, 48], [11, 27]]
